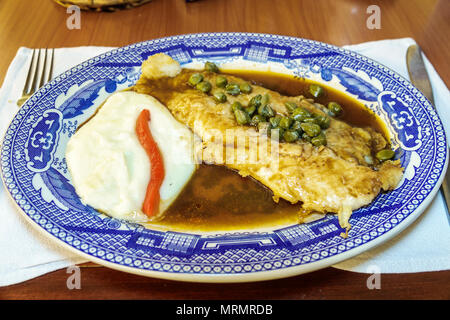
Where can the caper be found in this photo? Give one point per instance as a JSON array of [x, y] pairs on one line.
[[290, 136], [233, 89], [250, 110], [311, 129], [212, 67], [297, 126], [236, 106], [385, 154], [275, 121], [264, 127], [257, 118], [319, 140], [335, 108], [219, 96], [265, 99], [245, 87], [290, 106], [306, 137], [241, 116], [310, 120], [255, 101], [316, 90], [221, 81], [323, 121], [195, 79], [300, 114], [266, 111], [286, 122], [277, 133], [204, 86]]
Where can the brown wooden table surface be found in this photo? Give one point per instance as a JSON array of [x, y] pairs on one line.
[[42, 23]]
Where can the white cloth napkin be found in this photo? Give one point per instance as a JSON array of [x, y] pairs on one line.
[[25, 253]]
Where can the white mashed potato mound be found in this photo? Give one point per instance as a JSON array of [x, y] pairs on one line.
[[110, 169]]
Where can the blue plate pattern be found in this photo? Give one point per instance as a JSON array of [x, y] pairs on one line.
[[35, 173]]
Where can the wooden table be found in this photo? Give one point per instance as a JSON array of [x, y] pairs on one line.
[[33, 23]]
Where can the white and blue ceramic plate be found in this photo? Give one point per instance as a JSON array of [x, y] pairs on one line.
[[35, 172]]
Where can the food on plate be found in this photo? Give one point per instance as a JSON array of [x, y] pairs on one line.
[[190, 145], [315, 159], [125, 173]]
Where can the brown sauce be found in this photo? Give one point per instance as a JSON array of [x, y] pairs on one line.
[[217, 198], [355, 113]]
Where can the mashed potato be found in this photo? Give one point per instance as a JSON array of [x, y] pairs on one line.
[[110, 170]]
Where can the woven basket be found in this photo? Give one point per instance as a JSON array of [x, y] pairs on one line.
[[102, 5]]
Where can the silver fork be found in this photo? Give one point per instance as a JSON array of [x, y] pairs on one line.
[[39, 73]]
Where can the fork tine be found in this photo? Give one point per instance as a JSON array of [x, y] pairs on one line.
[[35, 73], [28, 79], [44, 67], [50, 72]]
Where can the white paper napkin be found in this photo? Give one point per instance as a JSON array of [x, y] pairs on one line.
[[25, 253]]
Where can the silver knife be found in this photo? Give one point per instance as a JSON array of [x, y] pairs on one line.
[[419, 78]]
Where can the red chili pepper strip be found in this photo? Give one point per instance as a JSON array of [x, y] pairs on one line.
[[152, 197]]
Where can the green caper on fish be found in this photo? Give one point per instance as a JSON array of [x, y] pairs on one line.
[[236, 105], [311, 119], [257, 118], [323, 121], [195, 79], [290, 136], [264, 127], [306, 137], [275, 121], [211, 67], [316, 91], [250, 110], [319, 140], [241, 116], [334, 108], [245, 87], [266, 111], [290, 106], [385, 154], [300, 114], [265, 99], [232, 89], [219, 96], [311, 129], [286, 122], [277, 133], [221, 81], [255, 101], [204, 86], [297, 126]]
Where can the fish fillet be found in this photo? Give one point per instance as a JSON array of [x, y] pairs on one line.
[[337, 178]]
